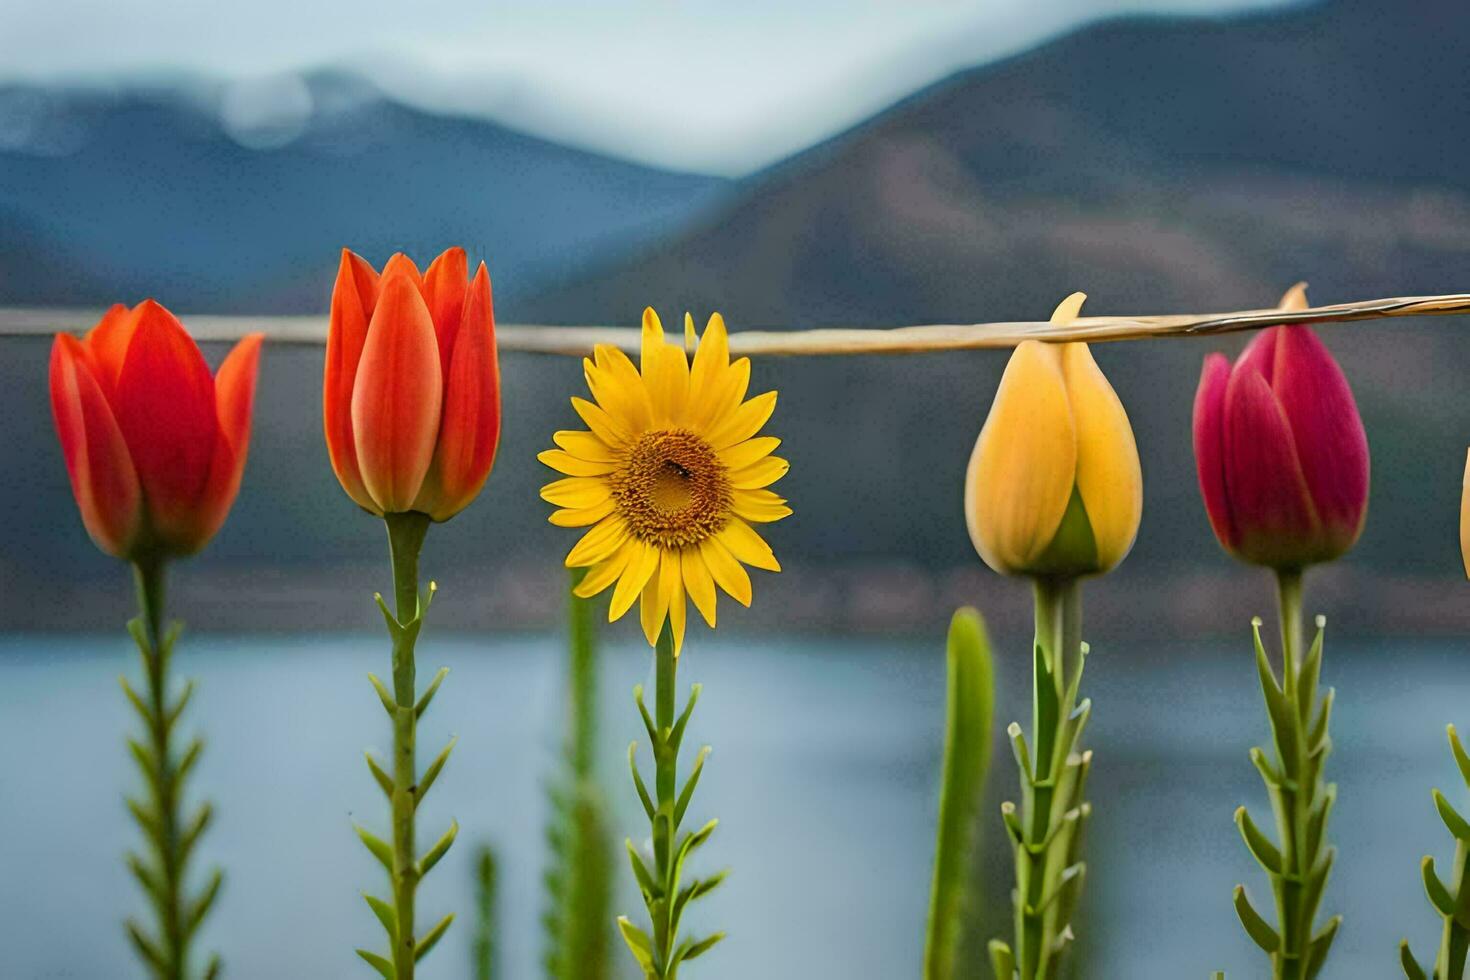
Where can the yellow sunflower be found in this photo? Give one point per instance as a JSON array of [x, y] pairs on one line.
[[670, 478]]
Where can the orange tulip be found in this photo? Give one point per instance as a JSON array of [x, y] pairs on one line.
[[155, 445], [411, 396]]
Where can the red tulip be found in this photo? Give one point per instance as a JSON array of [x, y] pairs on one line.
[[154, 445], [1281, 452], [411, 395]]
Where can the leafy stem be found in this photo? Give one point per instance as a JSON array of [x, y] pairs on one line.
[[163, 867], [405, 788], [1299, 864], [1046, 830], [665, 892], [1451, 901]]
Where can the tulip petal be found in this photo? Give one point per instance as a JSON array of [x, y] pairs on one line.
[[108, 342], [1269, 503], [165, 407], [353, 297], [397, 397], [445, 290], [103, 479], [1465, 517], [1108, 473], [1209, 446], [1328, 432], [234, 386], [1024, 465], [469, 432]]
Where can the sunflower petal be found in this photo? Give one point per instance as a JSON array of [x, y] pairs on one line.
[[603, 425], [760, 506], [762, 474], [582, 516], [585, 445], [725, 570], [598, 543], [700, 585], [744, 422], [745, 544], [603, 574], [576, 491], [564, 462], [743, 454], [641, 566], [678, 615]]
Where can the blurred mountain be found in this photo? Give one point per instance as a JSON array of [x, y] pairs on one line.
[[1159, 164], [237, 198]]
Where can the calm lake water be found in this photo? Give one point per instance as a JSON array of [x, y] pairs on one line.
[[824, 778]]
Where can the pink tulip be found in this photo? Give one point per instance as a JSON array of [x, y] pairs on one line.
[[1281, 452]]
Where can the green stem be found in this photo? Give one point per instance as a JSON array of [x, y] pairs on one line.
[[1455, 941], [148, 577], [405, 540], [1047, 836]]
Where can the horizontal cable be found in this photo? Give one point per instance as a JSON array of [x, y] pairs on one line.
[[832, 340]]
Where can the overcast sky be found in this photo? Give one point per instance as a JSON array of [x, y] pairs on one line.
[[718, 86]]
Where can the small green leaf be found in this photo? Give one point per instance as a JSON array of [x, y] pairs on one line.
[[146, 820], [1255, 926], [388, 703], [439, 849], [690, 950], [186, 764], [190, 837], [676, 737], [384, 968], [1412, 970], [1321, 944], [215, 968], [649, 726], [1439, 895], [1048, 711], [147, 877], [144, 712], [688, 793], [395, 628], [377, 845], [1265, 852], [1263, 765], [1018, 748], [386, 916], [435, 767], [638, 944], [1451, 818], [180, 705], [200, 907], [385, 781], [429, 692], [147, 948], [643, 796], [651, 889], [1002, 960], [422, 947], [1461, 758]]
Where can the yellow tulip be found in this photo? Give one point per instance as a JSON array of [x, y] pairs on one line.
[[1465, 518], [1054, 486]]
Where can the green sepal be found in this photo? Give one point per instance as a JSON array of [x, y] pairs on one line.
[[1452, 819], [429, 692], [440, 848], [384, 968], [1255, 926], [385, 781], [430, 938], [432, 773], [638, 944], [376, 844], [387, 917], [1002, 960], [1412, 969]]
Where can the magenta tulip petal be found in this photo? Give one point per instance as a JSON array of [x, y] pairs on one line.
[[1328, 433], [1272, 513], [1209, 445]]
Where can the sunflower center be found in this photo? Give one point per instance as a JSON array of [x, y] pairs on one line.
[[673, 490]]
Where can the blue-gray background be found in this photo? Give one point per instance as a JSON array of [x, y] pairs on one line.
[[934, 162]]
